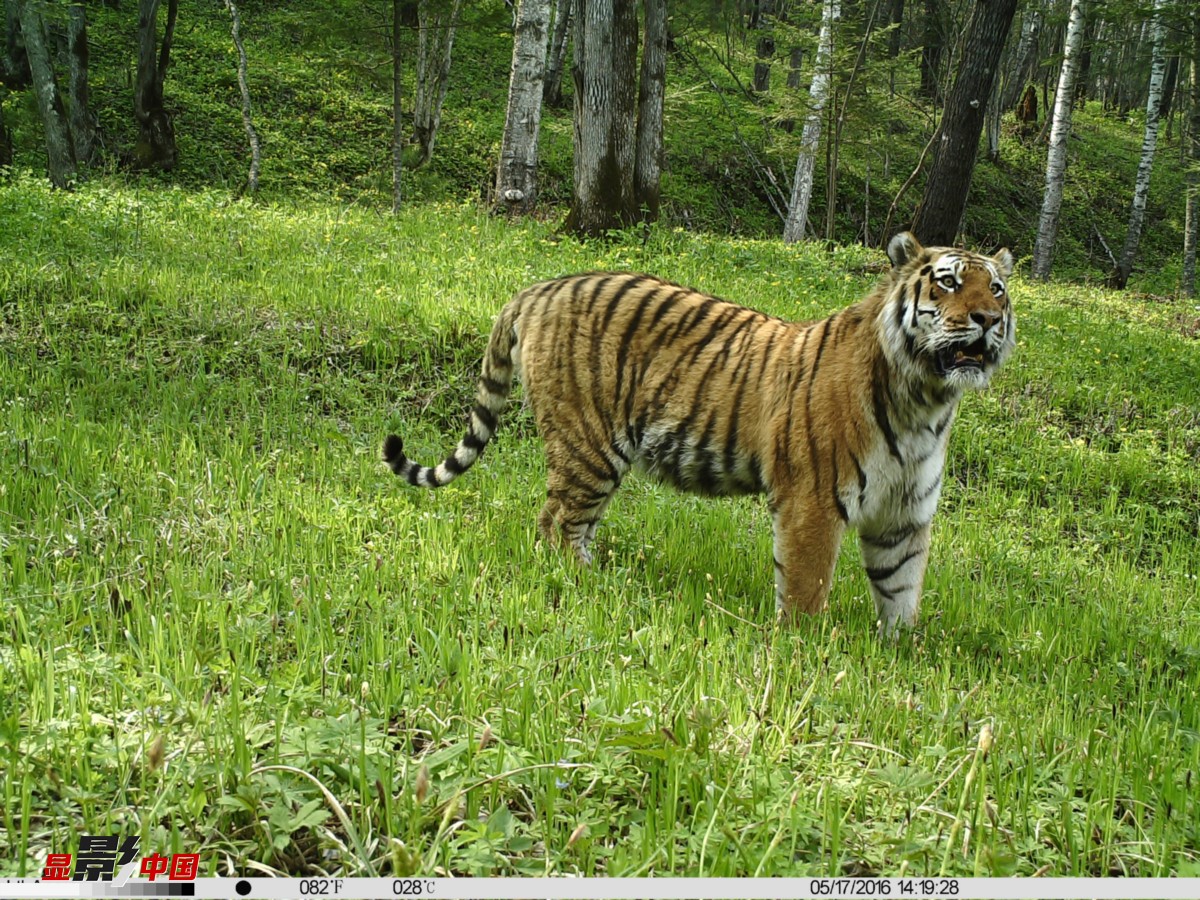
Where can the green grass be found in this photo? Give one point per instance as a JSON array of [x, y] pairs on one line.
[[206, 572]]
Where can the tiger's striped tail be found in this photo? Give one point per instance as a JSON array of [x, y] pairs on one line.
[[490, 397]]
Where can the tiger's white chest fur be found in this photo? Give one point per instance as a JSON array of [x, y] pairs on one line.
[[901, 493]]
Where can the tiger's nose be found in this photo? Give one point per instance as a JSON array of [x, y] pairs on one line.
[[985, 319]]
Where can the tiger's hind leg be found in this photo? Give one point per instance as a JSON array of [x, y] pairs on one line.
[[578, 491]]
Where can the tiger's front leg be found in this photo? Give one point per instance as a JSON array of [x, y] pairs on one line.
[[807, 537], [895, 562]]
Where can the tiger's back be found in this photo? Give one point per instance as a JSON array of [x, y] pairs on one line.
[[623, 369], [843, 421]]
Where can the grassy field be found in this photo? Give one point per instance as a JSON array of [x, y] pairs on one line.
[[216, 600]]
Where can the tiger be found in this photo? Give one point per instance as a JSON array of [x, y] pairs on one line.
[[841, 422]]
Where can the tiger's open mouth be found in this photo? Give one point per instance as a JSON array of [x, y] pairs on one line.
[[974, 355]]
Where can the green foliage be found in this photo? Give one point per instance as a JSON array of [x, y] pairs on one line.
[[199, 545]]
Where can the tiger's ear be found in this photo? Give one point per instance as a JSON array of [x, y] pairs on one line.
[[903, 248], [1004, 262]]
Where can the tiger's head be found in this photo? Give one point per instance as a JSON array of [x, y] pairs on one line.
[[947, 312]]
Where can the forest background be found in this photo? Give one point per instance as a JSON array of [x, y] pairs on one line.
[[737, 99]]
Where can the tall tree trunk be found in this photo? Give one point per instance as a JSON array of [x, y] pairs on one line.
[[795, 66], [1024, 61], [991, 124], [516, 177], [16, 60], [652, 86], [397, 124], [940, 212], [895, 20], [552, 87], [1191, 228], [1141, 187], [802, 182], [1168, 91], [605, 76], [435, 40], [931, 51], [764, 50], [243, 77], [1090, 33], [156, 146], [83, 123], [60, 151], [1060, 133]]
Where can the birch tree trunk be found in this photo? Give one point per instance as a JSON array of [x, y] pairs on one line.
[[605, 76], [83, 123], [647, 170], [244, 86], [797, 217], [60, 151], [397, 126], [1191, 228], [552, 87], [1060, 133], [435, 40], [1141, 186], [937, 218], [516, 178]]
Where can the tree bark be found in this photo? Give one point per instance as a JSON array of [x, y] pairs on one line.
[[895, 20], [931, 52], [60, 151], [940, 212], [1090, 32], [83, 123], [1191, 228], [605, 76], [156, 146], [795, 66], [251, 185], [1060, 133], [802, 182], [763, 51], [992, 124], [16, 60], [397, 125], [1141, 187], [435, 41], [652, 86], [1024, 61], [1168, 91], [552, 87], [516, 177]]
